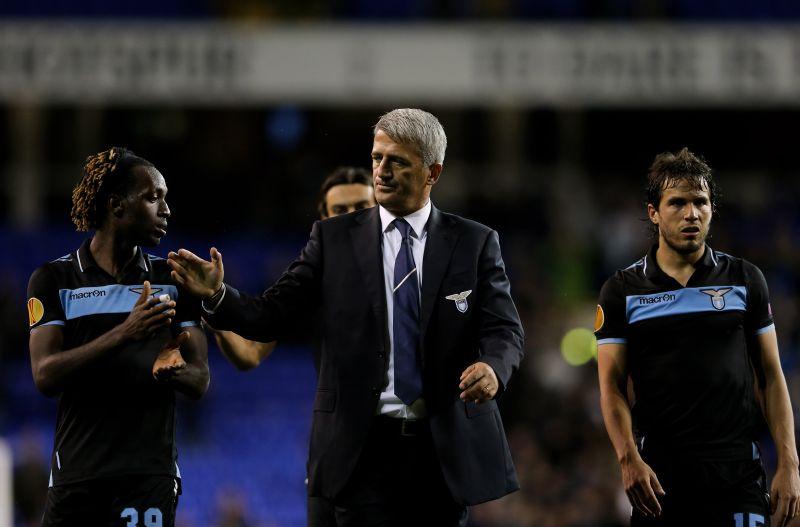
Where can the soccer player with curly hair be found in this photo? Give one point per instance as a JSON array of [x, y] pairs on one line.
[[114, 337]]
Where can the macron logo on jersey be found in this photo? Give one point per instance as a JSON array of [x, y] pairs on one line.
[[80, 295], [656, 299]]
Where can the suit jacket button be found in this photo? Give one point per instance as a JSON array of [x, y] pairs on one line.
[[380, 355]]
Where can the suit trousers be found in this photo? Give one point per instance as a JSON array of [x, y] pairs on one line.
[[320, 512], [398, 481]]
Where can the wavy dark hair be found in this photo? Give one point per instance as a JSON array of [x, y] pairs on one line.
[[669, 169]]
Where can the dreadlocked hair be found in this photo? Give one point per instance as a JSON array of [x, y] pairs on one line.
[[104, 173]]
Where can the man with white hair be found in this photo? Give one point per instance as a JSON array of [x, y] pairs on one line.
[[419, 337]]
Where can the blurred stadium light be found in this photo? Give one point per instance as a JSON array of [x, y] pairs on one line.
[[578, 346]]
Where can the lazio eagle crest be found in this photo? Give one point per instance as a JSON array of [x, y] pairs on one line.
[[138, 290], [717, 296], [461, 300]]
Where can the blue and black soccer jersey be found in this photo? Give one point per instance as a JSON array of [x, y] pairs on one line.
[[687, 351], [114, 419]]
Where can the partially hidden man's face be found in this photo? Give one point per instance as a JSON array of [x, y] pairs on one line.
[[145, 212], [402, 181], [348, 197], [683, 216]]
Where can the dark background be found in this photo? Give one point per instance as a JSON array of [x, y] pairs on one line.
[[562, 185]]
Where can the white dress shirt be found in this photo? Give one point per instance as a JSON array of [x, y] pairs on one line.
[[389, 404]]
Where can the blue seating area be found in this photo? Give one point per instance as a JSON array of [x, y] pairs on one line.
[[250, 437], [247, 437]]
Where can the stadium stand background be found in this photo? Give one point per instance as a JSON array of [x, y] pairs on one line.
[[561, 183]]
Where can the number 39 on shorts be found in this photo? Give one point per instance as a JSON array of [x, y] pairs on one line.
[[749, 519], [151, 518]]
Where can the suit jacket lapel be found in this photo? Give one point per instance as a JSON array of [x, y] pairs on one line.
[[438, 250], [365, 237]]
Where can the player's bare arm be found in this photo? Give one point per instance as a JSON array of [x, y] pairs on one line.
[[243, 353], [640, 482], [785, 490], [204, 279], [184, 363], [201, 277], [53, 367]]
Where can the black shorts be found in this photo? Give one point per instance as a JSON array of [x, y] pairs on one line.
[[708, 493], [130, 501]]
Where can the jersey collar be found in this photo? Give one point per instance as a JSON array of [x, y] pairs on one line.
[[653, 271], [84, 260]]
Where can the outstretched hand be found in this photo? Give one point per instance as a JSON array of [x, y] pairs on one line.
[[169, 360], [200, 277]]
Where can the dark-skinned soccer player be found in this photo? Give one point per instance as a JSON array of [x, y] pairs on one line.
[[114, 337]]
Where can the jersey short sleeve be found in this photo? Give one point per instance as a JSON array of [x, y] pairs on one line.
[[758, 317], [610, 324], [44, 303], [187, 309]]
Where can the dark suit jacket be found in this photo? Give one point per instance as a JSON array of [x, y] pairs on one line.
[[341, 271]]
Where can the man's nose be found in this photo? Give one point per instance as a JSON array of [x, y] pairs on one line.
[[692, 212], [165, 212], [384, 169]]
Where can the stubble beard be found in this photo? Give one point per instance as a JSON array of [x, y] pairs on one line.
[[684, 247]]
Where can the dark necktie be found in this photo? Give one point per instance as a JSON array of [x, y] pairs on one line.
[[405, 324]]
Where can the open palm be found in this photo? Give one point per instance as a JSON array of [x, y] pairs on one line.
[[201, 277], [170, 360]]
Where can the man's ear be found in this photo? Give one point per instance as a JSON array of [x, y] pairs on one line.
[[116, 204], [652, 213], [435, 172]]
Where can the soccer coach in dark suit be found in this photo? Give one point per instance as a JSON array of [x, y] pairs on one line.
[[406, 429]]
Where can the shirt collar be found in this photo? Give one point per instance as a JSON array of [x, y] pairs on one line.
[[418, 220], [709, 259], [651, 268], [86, 261]]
